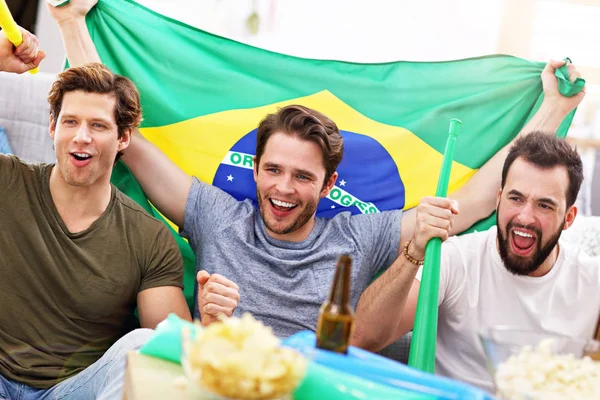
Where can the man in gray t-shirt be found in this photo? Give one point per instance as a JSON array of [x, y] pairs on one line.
[[284, 283]]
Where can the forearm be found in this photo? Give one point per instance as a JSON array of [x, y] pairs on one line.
[[477, 197], [381, 307], [77, 42], [155, 304], [165, 184]]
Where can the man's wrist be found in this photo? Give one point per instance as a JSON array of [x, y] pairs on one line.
[[548, 117], [71, 22], [555, 107], [413, 254]]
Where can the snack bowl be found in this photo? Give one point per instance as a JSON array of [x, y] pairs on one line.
[[240, 358], [527, 365]]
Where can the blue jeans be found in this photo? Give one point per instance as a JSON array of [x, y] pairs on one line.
[[101, 380]]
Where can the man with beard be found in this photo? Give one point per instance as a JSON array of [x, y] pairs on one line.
[[518, 273], [283, 257]]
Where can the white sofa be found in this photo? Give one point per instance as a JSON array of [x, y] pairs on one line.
[[24, 113]]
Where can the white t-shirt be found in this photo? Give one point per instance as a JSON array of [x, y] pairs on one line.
[[477, 292]]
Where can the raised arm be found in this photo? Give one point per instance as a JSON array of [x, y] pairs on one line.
[[477, 197], [386, 310], [165, 184], [388, 305]]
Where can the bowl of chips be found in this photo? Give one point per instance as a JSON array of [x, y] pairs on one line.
[[528, 365], [240, 358]]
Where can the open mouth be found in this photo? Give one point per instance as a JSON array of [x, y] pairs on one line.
[[522, 241], [282, 208], [80, 159]]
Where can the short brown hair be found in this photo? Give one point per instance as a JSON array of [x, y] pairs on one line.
[[307, 124], [546, 151], [97, 78]]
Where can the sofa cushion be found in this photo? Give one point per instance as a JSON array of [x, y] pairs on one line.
[[24, 115]]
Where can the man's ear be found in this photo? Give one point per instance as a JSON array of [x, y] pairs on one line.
[[570, 216], [498, 197], [329, 184], [52, 127], [255, 169], [125, 139]]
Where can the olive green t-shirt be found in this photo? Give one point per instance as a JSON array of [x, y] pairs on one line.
[[65, 298]]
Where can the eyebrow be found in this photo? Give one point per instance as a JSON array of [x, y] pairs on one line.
[[272, 165], [305, 172], [97, 119], [546, 200], [296, 171], [516, 192]]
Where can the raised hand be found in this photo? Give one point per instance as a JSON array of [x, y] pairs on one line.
[[217, 296], [435, 216], [550, 85], [25, 57], [74, 9]]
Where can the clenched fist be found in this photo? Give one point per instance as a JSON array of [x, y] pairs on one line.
[[217, 295], [435, 216]]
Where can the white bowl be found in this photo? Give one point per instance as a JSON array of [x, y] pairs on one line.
[[500, 343]]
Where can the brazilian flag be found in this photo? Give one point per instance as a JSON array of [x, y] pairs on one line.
[[203, 97]]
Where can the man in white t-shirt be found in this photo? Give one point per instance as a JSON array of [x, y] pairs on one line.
[[519, 275]]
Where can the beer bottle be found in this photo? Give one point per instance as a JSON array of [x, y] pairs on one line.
[[336, 317]]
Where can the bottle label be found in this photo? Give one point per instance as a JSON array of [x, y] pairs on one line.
[[333, 333]]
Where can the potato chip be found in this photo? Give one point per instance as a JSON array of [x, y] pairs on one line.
[[240, 358]]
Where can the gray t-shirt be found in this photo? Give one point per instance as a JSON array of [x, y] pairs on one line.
[[281, 283]]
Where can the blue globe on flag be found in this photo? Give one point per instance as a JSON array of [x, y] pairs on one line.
[[368, 179]]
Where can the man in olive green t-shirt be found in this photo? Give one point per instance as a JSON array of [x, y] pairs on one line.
[[76, 255]]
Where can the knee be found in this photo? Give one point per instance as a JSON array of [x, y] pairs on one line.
[[133, 340], [137, 338]]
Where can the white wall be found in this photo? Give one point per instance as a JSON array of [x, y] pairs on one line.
[[50, 41], [352, 30]]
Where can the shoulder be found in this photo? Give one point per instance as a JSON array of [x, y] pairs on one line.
[[346, 218], [474, 238], [376, 233], [212, 199], [203, 189], [14, 162], [14, 169], [133, 213], [10, 159], [472, 245]]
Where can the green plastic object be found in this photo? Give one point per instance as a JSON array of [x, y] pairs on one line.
[[422, 347], [166, 341], [565, 86], [321, 382]]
